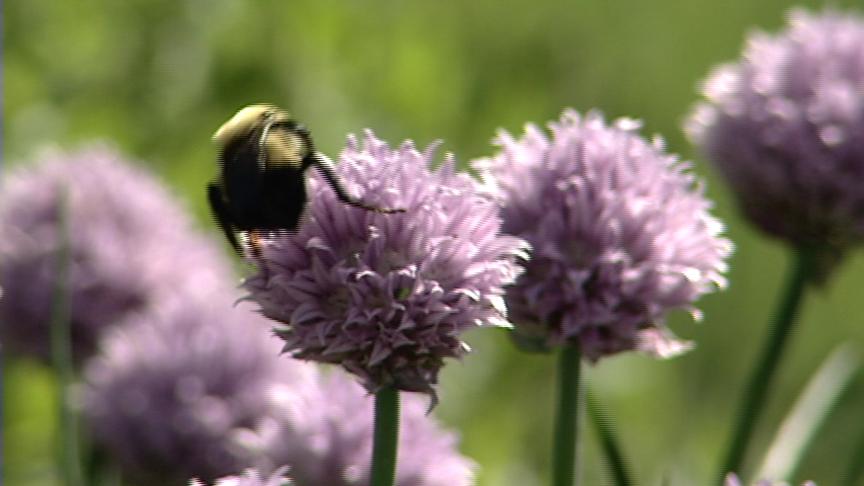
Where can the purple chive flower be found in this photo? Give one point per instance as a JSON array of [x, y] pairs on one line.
[[324, 429], [127, 237], [785, 126], [620, 232], [387, 295], [732, 480], [251, 477], [173, 387]]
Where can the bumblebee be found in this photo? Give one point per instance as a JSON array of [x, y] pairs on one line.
[[263, 157]]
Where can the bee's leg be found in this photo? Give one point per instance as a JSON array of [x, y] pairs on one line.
[[220, 214], [325, 167]]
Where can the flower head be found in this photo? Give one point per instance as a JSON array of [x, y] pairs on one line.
[[172, 387], [127, 236], [620, 233], [324, 429], [251, 477], [785, 126], [387, 295]]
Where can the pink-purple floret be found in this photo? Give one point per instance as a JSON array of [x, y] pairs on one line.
[[388, 295], [126, 235], [251, 477], [324, 431], [172, 388], [621, 234], [198, 389], [785, 126]]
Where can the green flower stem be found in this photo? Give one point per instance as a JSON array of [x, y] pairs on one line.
[[753, 400], [609, 442], [855, 470], [386, 437], [61, 354], [98, 469], [564, 470]]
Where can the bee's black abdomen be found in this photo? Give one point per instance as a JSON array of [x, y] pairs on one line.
[[285, 190], [268, 200]]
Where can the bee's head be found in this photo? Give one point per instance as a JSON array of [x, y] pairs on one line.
[[247, 120]]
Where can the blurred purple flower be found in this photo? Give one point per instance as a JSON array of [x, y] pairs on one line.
[[127, 238], [196, 388], [251, 477], [785, 126], [324, 429], [620, 232], [388, 295], [173, 386], [732, 480]]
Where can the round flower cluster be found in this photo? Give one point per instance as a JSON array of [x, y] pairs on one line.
[[620, 233], [196, 388], [324, 430], [785, 126], [387, 295], [172, 387], [126, 236]]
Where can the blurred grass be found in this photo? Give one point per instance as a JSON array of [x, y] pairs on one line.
[[157, 77]]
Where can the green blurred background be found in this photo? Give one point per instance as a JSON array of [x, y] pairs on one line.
[[156, 77]]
